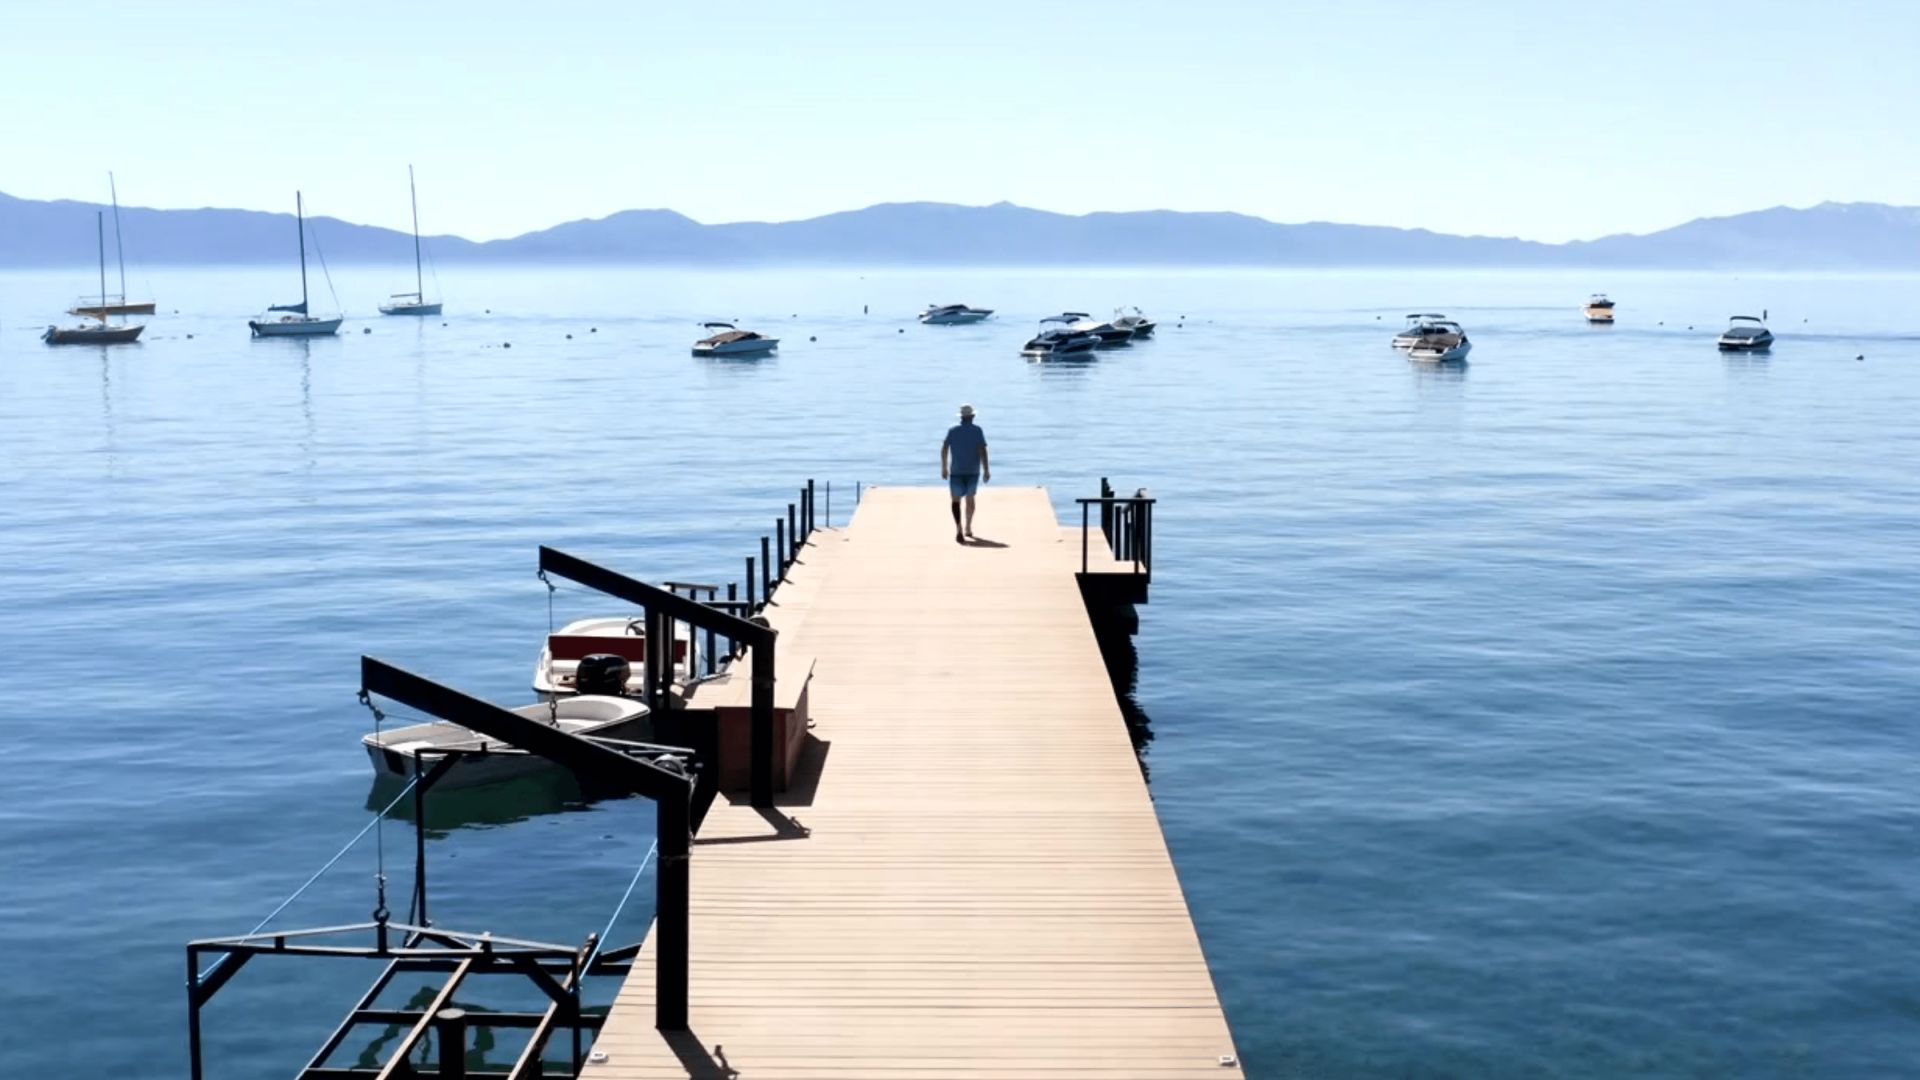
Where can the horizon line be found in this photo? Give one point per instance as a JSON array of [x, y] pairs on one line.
[[965, 206]]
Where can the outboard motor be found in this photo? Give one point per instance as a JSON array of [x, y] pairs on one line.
[[602, 673]]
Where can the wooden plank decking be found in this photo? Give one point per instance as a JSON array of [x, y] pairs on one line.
[[970, 881]]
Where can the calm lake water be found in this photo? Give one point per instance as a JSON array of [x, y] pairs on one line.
[[1548, 716]]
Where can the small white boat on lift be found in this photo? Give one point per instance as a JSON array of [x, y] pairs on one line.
[[1421, 325], [953, 314], [557, 669], [729, 340], [396, 752]]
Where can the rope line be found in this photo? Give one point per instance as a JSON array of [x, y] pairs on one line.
[[337, 856], [652, 850]]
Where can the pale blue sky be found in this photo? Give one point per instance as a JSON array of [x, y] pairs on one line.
[[1549, 121]]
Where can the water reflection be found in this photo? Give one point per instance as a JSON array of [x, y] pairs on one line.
[[553, 791]]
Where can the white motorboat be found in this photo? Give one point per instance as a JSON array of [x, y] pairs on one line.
[[729, 340], [554, 672], [953, 314], [1437, 350], [482, 759], [295, 321], [1746, 333], [1599, 309], [1058, 338], [1137, 322], [100, 332], [1424, 325], [1109, 334], [415, 302]]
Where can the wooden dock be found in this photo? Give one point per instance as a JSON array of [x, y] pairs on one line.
[[966, 878]]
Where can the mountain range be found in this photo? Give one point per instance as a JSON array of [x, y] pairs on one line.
[[1830, 236]]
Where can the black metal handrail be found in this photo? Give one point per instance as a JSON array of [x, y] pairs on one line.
[[1126, 524]]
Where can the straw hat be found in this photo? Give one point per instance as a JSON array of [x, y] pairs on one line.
[[966, 412]]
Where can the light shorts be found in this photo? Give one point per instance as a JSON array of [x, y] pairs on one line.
[[963, 484]]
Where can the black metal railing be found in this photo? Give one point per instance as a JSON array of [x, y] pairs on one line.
[[1126, 528]]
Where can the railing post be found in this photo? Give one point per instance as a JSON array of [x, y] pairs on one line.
[[793, 535], [733, 595], [420, 837], [810, 525], [766, 573], [751, 582], [451, 1024], [713, 663], [829, 504], [1083, 537], [674, 834], [780, 545]]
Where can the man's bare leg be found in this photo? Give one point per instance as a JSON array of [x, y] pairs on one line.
[[969, 525], [957, 535]]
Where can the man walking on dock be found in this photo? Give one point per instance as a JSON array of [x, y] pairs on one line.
[[963, 465]]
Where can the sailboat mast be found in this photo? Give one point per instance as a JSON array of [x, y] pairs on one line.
[[419, 285], [100, 226], [119, 249], [300, 219]]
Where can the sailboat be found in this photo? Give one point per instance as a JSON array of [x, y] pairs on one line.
[[415, 302], [101, 332], [116, 305], [296, 322]]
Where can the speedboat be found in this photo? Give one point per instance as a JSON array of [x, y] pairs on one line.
[[729, 340], [953, 314], [1440, 350], [1137, 322], [395, 752], [1109, 334], [1421, 326], [1058, 338], [100, 333], [1599, 309], [557, 670], [1746, 333]]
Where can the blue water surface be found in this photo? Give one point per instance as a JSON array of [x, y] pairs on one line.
[[1546, 716]]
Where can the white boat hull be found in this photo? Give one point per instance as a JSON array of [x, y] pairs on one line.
[[737, 348], [410, 309], [395, 752], [296, 327], [955, 318], [1440, 354]]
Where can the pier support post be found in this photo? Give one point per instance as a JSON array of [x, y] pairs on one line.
[[452, 1027], [761, 725], [675, 836]]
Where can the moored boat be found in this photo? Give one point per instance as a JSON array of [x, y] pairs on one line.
[[100, 332], [1440, 350], [114, 305], [730, 340], [1746, 333], [557, 671], [1422, 325], [1108, 334], [1137, 322], [415, 302], [1599, 309], [295, 321], [1057, 338], [397, 753], [953, 314]]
